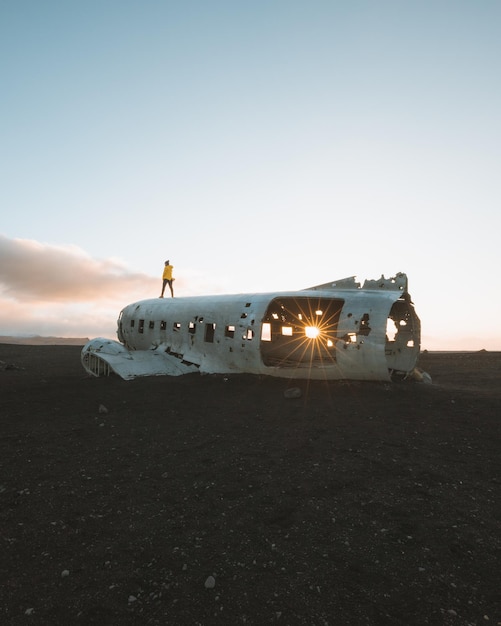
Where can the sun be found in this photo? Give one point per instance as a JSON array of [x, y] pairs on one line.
[[312, 332]]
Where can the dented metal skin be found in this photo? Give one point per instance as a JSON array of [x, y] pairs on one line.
[[338, 330]]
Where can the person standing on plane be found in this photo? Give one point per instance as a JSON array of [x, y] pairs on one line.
[[167, 279]]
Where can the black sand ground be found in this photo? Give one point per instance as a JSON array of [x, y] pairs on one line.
[[216, 500]]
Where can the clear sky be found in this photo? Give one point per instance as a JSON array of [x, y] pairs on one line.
[[260, 146]]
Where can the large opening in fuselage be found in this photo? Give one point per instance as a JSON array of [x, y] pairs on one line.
[[403, 336], [300, 330]]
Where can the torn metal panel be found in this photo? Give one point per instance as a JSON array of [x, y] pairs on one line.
[[395, 283], [101, 357], [337, 330]]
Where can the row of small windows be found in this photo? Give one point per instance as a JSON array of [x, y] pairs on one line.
[[285, 330], [210, 329]]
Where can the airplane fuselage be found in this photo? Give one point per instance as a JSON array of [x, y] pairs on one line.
[[332, 331]]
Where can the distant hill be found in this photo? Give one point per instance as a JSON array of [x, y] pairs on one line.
[[45, 341]]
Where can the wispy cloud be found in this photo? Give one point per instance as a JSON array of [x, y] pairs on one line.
[[61, 290]]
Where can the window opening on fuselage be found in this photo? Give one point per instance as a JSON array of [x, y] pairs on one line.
[[210, 329], [192, 328], [229, 331], [176, 326], [266, 331], [350, 338], [132, 323], [163, 325], [248, 335], [141, 326], [364, 328], [152, 324]]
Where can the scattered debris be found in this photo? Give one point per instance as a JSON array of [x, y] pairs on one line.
[[293, 392], [9, 366], [421, 376], [210, 583]]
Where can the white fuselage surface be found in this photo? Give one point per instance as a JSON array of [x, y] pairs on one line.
[[334, 331]]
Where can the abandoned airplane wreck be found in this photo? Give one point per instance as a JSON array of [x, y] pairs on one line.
[[338, 330]]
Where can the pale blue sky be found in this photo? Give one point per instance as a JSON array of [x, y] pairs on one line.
[[260, 146]]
